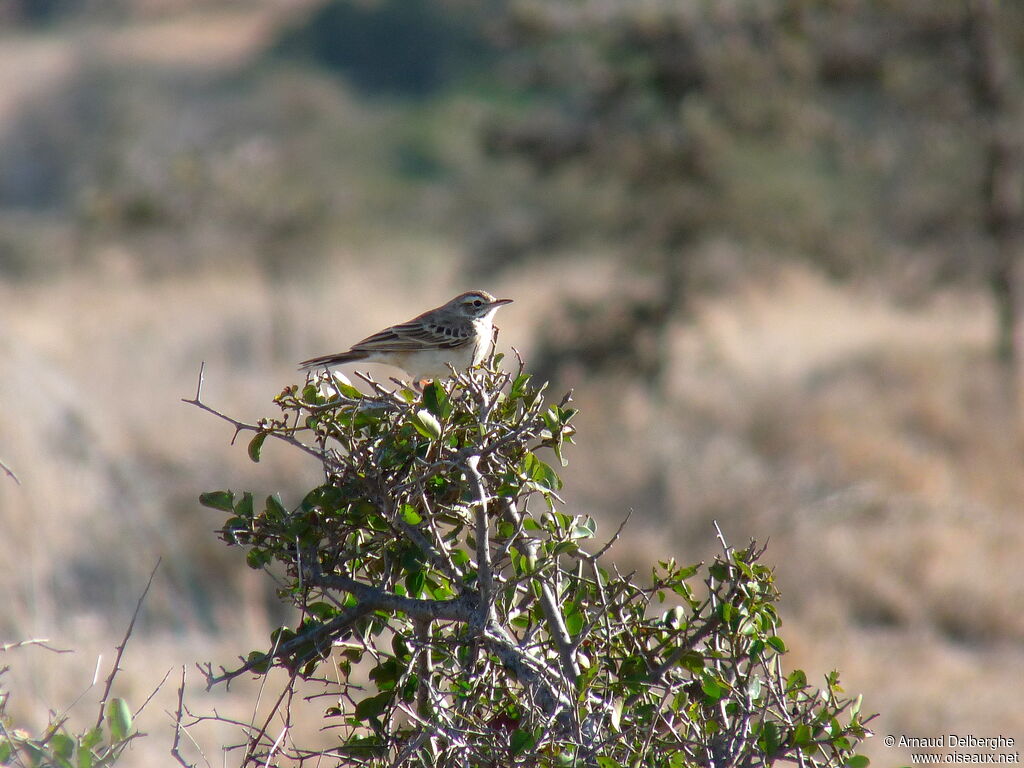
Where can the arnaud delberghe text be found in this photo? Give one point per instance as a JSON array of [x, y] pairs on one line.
[[955, 740]]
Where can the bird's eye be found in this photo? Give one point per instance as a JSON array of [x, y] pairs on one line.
[[477, 303]]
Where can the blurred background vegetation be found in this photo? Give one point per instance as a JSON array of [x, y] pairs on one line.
[[773, 246]]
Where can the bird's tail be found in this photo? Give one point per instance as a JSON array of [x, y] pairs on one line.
[[329, 360]]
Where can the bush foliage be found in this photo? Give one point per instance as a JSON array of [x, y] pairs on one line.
[[476, 622], [60, 745]]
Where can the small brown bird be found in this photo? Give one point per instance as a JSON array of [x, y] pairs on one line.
[[459, 332]]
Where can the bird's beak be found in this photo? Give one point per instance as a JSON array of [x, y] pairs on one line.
[[500, 302]]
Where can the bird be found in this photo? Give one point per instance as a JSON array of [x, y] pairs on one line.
[[459, 333]]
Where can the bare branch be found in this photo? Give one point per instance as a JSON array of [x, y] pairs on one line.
[[558, 632], [124, 643], [615, 537], [178, 727], [255, 739], [319, 637], [241, 426], [41, 642], [462, 609], [9, 472], [154, 693], [485, 578], [721, 538]]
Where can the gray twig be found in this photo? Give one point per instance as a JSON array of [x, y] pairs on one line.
[[124, 643], [9, 472]]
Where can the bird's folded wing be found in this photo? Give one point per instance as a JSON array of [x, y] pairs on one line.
[[411, 337]]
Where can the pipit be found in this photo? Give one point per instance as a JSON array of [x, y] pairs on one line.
[[459, 333]]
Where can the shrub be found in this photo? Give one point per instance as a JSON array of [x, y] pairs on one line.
[[60, 745], [474, 622]]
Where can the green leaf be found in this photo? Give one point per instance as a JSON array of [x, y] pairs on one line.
[[310, 394], [426, 424], [574, 622], [686, 572], [797, 680], [584, 530], [36, 755], [410, 515], [346, 390], [119, 719], [62, 745], [565, 546], [539, 472], [521, 741], [615, 719], [374, 705], [768, 738], [5, 750], [386, 674], [712, 688], [858, 761], [363, 747], [89, 739], [440, 591], [633, 669], [243, 507], [322, 611], [257, 558], [518, 388], [260, 662], [222, 500], [719, 571], [400, 647], [857, 703], [674, 617], [256, 445], [692, 661], [414, 583], [777, 643], [754, 689], [755, 649], [436, 399], [275, 510], [802, 735]]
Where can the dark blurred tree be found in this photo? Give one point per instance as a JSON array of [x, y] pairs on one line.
[[997, 102], [856, 135], [688, 122], [37, 12], [396, 47]]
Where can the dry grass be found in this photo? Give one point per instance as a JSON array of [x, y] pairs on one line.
[[880, 466]]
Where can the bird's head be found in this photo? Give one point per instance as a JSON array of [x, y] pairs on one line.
[[477, 304]]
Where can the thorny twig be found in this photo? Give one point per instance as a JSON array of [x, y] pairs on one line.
[[241, 426], [124, 643], [41, 642], [9, 472], [179, 728]]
